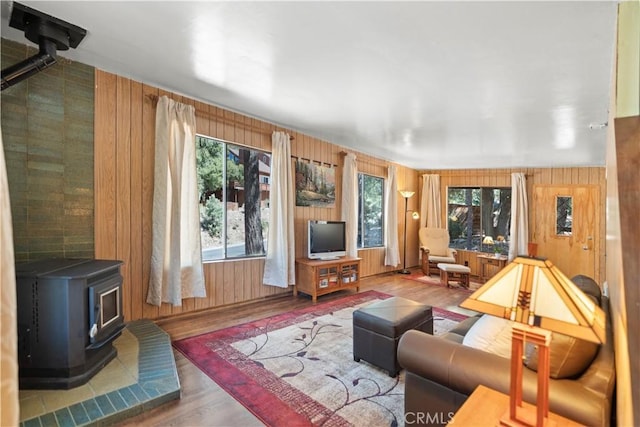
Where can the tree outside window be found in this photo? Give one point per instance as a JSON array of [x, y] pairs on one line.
[[479, 218], [370, 211], [239, 176]]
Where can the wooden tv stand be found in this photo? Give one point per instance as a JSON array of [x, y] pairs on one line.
[[320, 277]]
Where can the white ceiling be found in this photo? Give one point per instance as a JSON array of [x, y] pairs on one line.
[[429, 85]]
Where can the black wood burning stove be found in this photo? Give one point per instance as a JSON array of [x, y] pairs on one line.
[[69, 313]]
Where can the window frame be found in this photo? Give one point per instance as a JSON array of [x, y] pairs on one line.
[[361, 219], [224, 180], [499, 246]]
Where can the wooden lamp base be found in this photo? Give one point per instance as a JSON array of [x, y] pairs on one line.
[[518, 415], [525, 417]]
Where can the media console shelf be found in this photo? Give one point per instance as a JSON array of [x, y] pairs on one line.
[[318, 277]]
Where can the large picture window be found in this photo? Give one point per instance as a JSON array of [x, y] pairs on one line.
[[370, 211], [233, 184], [479, 218]]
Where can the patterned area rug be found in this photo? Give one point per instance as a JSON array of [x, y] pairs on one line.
[[435, 281], [297, 368]]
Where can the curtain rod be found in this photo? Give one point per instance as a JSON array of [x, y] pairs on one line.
[[207, 115], [475, 173]]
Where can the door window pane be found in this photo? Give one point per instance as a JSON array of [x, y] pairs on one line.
[[564, 214]]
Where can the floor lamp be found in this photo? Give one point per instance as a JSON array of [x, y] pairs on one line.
[[406, 195]]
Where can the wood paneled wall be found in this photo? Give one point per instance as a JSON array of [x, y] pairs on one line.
[[623, 268], [124, 141], [535, 176]]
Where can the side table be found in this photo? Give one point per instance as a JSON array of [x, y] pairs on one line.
[[486, 406], [486, 261]]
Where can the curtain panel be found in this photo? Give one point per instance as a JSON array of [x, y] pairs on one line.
[[279, 266], [430, 205], [350, 202], [10, 410], [391, 247], [176, 259], [519, 231]]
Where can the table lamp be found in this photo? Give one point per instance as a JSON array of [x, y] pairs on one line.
[[540, 299], [488, 240]]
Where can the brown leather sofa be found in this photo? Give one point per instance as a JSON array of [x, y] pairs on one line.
[[441, 373]]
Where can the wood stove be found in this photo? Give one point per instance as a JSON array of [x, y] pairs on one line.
[[69, 314]]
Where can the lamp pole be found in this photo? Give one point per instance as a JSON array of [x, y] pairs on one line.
[[406, 195]]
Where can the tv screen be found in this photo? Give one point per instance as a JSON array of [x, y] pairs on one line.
[[327, 239]]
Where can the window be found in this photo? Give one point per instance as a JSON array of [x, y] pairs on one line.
[[236, 228], [479, 218], [370, 208], [564, 212]]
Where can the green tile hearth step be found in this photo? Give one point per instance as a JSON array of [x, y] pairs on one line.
[[157, 383]]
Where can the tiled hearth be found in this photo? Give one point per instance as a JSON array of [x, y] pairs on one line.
[[141, 377]]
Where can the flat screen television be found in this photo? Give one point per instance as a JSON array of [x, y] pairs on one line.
[[326, 239]]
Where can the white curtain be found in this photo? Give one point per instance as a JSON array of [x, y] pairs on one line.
[[279, 266], [519, 232], [350, 202], [391, 247], [430, 206], [176, 258], [10, 410]]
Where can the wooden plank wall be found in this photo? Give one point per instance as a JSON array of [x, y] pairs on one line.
[[124, 140], [535, 176], [624, 269]]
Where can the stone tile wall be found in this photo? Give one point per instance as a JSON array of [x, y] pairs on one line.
[[47, 133]]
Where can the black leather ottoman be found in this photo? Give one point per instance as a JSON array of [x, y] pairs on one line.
[[377, 328]]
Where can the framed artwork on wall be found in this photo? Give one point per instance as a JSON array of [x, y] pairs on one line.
[[315, 185]]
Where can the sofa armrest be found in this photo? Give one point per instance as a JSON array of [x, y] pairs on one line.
[[451, 364], [600, 376], [463, 327]]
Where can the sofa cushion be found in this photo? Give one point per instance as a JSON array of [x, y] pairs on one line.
[[589, 286], [491, 334], [438, 239], [569, 356], [441, 259]]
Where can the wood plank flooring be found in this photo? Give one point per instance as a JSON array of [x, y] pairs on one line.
[[204, 403]]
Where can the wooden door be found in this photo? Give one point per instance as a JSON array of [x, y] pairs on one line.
[[568, 241]]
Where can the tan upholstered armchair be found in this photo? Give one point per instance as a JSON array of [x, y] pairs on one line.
[[434, 245]]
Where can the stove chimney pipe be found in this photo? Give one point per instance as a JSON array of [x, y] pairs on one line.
[[49, 33]]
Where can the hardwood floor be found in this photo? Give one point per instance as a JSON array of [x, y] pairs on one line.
[[204, 403]]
